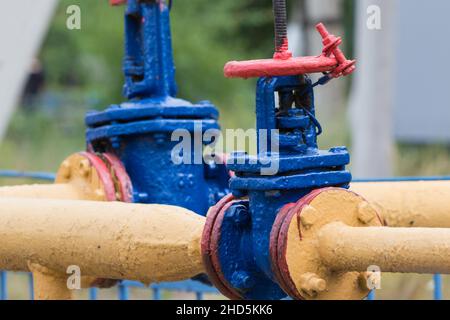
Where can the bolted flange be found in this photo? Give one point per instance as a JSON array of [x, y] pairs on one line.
[[294, 252], [100, 177], [87, 172], [229, 255], [122, 182], [210, 249]]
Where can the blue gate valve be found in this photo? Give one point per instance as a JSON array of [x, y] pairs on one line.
[[288, 166], [139, 131]]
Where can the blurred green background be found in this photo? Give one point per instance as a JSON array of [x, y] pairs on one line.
[[83, 71]]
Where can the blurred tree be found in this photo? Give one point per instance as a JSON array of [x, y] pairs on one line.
[[88, 59], [206, 35], [251, 27]]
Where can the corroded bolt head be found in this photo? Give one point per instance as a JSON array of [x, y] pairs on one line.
[[308, 216], [84, 167], [311, 284], [365, 213], [65, 170]]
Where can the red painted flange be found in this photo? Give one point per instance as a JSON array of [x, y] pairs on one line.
[[273, 249], [103, 173], [120, 174], [209, 246], [278, 243]]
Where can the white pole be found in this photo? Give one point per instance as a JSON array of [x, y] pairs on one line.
[[371, 104], [23, 24]]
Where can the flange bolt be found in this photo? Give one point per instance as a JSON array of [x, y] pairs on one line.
[[311, 284]]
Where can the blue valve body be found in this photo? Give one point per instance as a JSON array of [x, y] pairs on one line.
[[302, 167], [140, 131]]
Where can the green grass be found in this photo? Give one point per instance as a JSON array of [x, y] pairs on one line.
[[39, 141], [422, 160]]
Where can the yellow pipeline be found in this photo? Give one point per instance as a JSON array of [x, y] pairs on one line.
[[330, 240], [44, 191], [147, 243], [409, 204], [406, 250], [78, 178]]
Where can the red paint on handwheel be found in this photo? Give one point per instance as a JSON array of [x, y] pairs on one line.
[[279, 67], [332, 61]]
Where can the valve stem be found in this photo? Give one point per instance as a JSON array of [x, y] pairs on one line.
[[281, 38]]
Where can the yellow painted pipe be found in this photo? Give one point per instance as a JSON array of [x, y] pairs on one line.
[[409, 204], [401, 204], [44, 191], [329, 246], [78, 178], [147, 243], [404, 250], [44, 283]]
